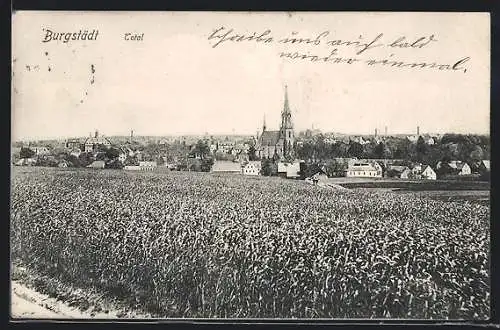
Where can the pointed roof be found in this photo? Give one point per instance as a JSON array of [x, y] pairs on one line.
[[269, 138], [286, 114], [286, 107]]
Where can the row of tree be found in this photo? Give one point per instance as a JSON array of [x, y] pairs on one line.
[[468, 148]]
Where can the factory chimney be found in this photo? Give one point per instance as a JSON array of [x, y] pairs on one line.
[[418, 130], [386, 131], [376, 132]]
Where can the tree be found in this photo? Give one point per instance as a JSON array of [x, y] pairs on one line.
[[201, 148], [100, 156], [48, 161], [114, 164], [206, 164], [112, 153], [131, 161], [252, 153], [355, 150], [85, 159], [421, 149], [335, 168], [160, 161], [267, 167], [26, 153], [74, 161]]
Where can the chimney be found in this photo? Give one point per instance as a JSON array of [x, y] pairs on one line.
[[96, 133], [418, 130], [386, 131], [375, 132], [131, 135]]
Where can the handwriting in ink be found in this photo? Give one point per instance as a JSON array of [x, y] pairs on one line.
[[230, 35]]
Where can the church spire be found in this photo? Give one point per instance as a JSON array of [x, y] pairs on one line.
[[286, 107], [264, 123], [286, 115]]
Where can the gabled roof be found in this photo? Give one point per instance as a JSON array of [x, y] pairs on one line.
[[269, 138], [257, 164], [398, 168], [425, 167], [97, 140], [362, 167], [226, 166]]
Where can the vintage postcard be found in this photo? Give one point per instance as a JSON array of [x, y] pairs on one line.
[[250, 165]]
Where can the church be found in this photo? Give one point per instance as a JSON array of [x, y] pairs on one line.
[[280, 144]]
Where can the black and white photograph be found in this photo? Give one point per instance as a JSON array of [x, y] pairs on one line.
[[250, 165]]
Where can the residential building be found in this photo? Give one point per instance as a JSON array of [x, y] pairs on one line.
[[63, 164], [252, 168], [428, 173], [484, 166], [93, 142], [97, 164], [318, 176], [40, 151], [289, 170], [398, 171], [223, 166], [147, 166], [366, 170], [407, 174], [132, 168], [464, 169], [74, 144], [76, 152]]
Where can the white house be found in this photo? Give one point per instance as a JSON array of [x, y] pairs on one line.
[[364, 170], [485, 165], [251, 168], [406, 174], [464, 169], [40, 150], [147, 166], [428, 173], [122, 157], [319, 176], [289, 170], [416, 169], [63, 164], [431, 141], [132, 168]]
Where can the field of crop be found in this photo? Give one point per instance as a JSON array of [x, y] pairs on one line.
[[202, 245]]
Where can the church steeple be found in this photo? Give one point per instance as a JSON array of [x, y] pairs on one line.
[[264, 123], [287, 128], [286, 114], [286, 107]]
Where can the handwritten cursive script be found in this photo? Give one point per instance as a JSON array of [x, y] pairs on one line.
[[361, 46]]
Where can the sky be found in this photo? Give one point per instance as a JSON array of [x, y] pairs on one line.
[[175, 82]]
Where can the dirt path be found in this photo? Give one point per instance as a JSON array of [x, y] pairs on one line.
[[27, 303]]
